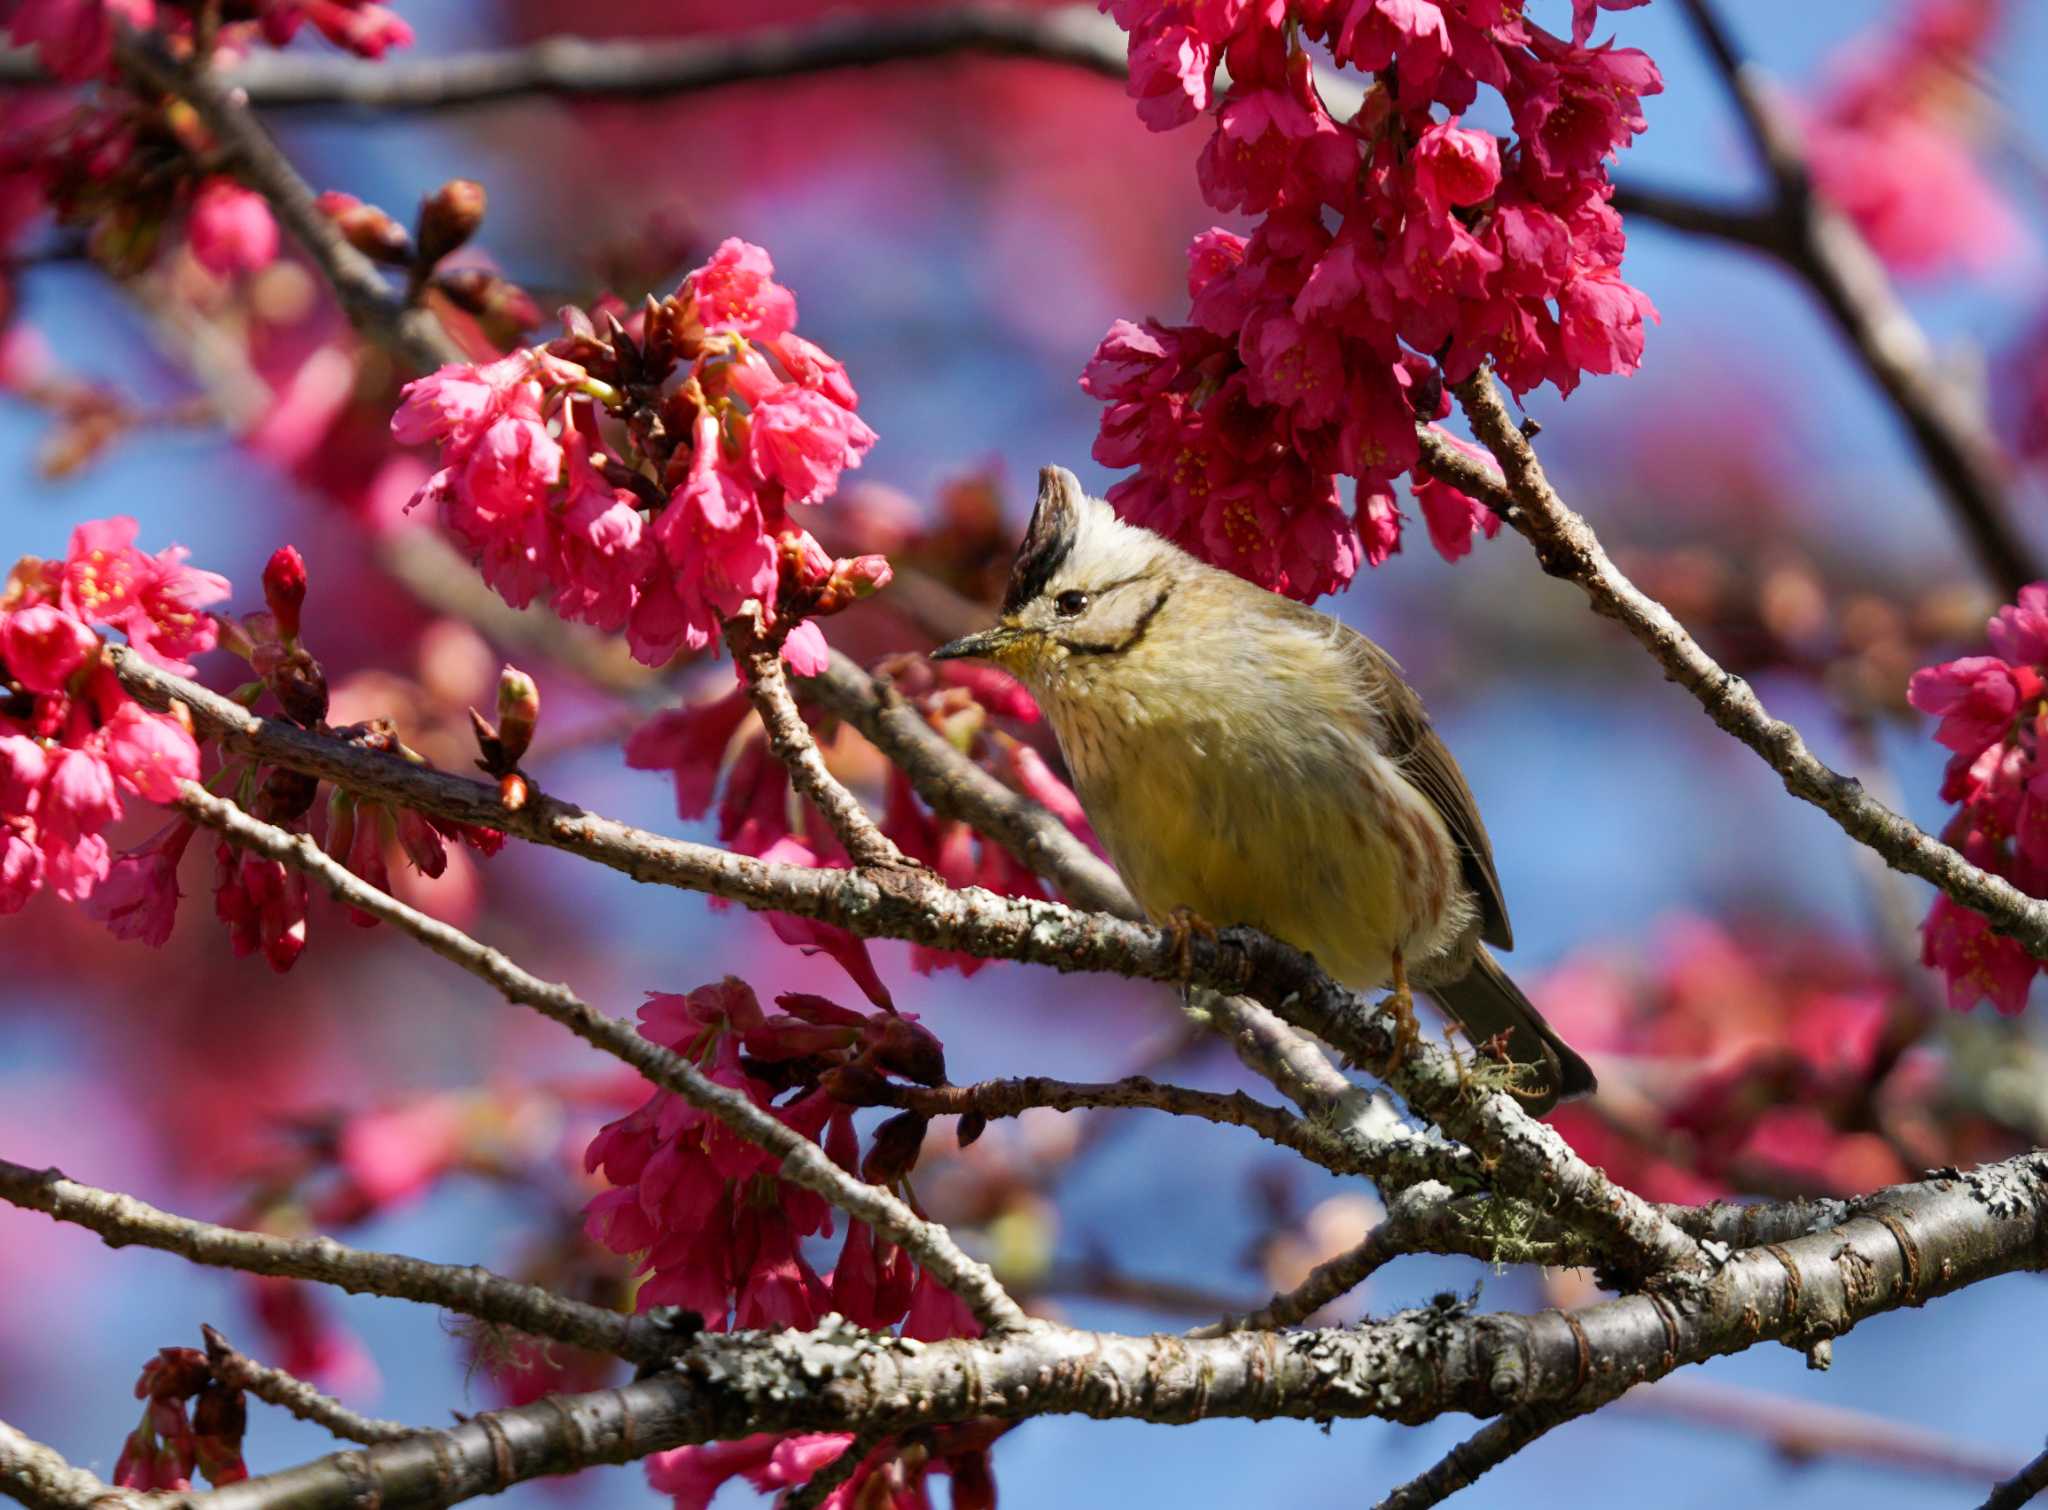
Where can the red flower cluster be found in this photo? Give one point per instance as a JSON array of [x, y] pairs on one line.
[[74, 39], [1396, 251], [1994, 716], [1890, 142], [719, 1232], [887, 1479], [262, 901], [724, 439], [71, 740], [1750, 1053], [168, 1443]]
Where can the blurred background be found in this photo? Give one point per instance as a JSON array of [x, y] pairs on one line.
[[960, 233]]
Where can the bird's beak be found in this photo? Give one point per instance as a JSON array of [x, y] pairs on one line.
[[989, 644]]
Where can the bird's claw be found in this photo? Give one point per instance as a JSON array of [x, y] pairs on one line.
[[1184, 923]]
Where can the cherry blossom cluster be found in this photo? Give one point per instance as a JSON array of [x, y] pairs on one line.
[[1890, 141], [717, 1232], [74, 39], [121, 167], [1396, 252], [191, 1421], [639, 472], [72, 742], [887, 1477], [706, 743], [1993, 712], [1753, 1054]]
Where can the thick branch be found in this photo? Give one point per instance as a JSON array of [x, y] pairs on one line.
[[1919, 1241], [38, 1477], [122, 1220], [1568, 548], [803, 1161]]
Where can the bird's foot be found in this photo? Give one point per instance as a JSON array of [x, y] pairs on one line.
[[1185, 924], [1407, 1033]]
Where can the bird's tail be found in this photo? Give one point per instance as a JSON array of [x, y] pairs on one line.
[[1490, 1005]]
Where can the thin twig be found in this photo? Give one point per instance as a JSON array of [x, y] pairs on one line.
[[291, 1393], [1820, 244], [1487, 1448], [1328, 1281], [371, 304], [803, 1161], [1568, 548], [658, 67], [123, 1220], [1014, 1097], [760, 664], [1802, 1430]]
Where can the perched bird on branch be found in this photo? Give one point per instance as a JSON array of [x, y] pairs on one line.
[[1247, 760]]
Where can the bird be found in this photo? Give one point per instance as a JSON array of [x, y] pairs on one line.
[[1245, 760]]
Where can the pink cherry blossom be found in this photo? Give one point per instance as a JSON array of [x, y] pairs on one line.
[[736, 292], [230, 229], [802, 440]]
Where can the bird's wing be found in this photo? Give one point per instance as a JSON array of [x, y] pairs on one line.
[[1407, 739]]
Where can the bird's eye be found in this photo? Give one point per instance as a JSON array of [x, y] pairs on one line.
[[1069, 603]]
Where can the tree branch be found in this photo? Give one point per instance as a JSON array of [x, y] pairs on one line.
[[1820, 244], [1916, 1242], [1010, 1098], [803, 1161], [1567, 547], [1487, 1448], [1524, 1156], [657, 67], [122, 1220], [291, 1393], [38, 1477], [2021, 1487], [370, 303], [789, 737]]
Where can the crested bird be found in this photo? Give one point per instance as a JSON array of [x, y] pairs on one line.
[[1246, 760]]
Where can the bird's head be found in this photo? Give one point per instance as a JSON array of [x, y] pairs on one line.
[[1085, 585]]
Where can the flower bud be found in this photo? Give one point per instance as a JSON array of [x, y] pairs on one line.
[[287, 795], [494, 300], [907, 1049], [284, 589], [518, 713], [893, 1153], [970, 1128], [853, 579], [855, 1085], [366, 228], [448, 218]]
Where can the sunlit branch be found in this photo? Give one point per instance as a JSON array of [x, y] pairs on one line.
[[1567, 547], [38, 1477], [790, 738], [1917, 1242], [123, 1221], [1523, 1156], [804, 1163]]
